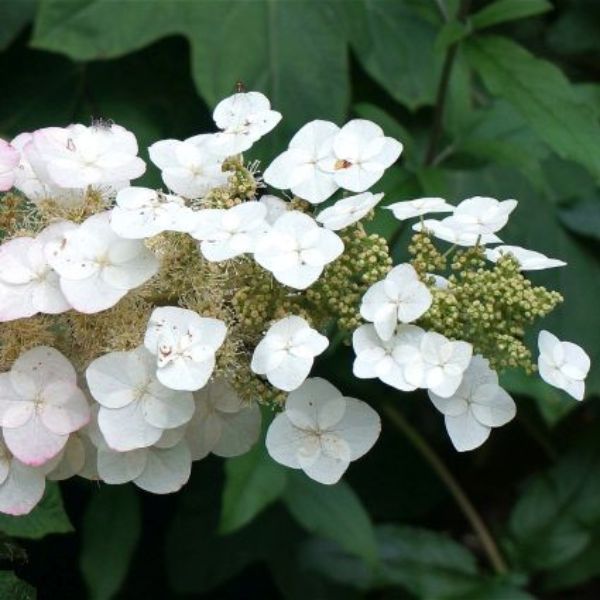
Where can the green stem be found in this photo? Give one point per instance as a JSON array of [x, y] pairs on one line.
[[462, 500]]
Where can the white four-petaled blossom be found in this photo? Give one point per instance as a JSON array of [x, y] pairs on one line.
[[455, 233], [563, 364], [296, 249], [481, 215], [321, 432], [478, 405], [135, 407], [40, 405], [227, 233], [529, 260], [400, 297], [184, 344], [287, 352], [348, 211], [96, 266], [143, 213], [408, 209]]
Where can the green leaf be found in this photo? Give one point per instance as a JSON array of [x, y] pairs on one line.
[[111, 531], [502, 11], [583, 218], [14, 17], [542, 94], [576, 29], [334, 512], [13, 588], [47, 517], [550, 523], [268, 45], [395, 43], [580, 569], [252, 482]]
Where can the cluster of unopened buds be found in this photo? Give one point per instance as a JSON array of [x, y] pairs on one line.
[[145, 410]]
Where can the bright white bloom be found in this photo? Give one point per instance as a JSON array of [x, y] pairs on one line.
[[27, 283], [135, 407], [160, 469], [78, 156], [439, 364], [409, 209], [321, 432], [302, 168], [244, 118], [528, 260], [386, 360], [400, 297], [96, 266], [21, 486], [34, 184], [478, 404], [143, 213], [348, 210], [9, 161], [362, 154], [563, 364], [40, 405], [454, 233], [275, 207], [286, 354], [222, 424], [189, 168], [184, 344], [227, 233], [296, 250], [481, 215]]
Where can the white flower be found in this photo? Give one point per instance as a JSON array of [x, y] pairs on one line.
[[296, 250], [481, 215], [159, 469], [362, 154], [21, 486], [189, 168], [9, 161], [563, 364], [409, 209], [478, 404], [439, 364], [135, 407], [227, 233], [222, 424], [143, 213], [528, 260], [70, 461], [78, 156], [275, 207], [96, 266], [184, 344], [40, 405], [400, 297], [386, 360], [321, 432], [455, 233], [244, 119], [348, 210], [286, 354], [302, 167], [27, 283]]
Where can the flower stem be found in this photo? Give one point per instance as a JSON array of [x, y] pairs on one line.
[[469, 511]]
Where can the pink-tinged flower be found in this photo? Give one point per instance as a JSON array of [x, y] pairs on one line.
[[40, 405], [9, 161]]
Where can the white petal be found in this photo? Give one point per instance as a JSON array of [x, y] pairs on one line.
[[22, 490], [121, 467], [126, 428], [466, 432], [360, 427], [167, 470]]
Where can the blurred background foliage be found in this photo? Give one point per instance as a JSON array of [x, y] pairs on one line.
[[498, 98]]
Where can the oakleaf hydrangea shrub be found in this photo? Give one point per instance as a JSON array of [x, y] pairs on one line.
[[143, 329]]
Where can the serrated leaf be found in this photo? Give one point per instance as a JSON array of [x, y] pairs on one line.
[[13, 588], [503, 11], [111, 531], [541, 93], [334, 512], [47, 517], [252, 482]]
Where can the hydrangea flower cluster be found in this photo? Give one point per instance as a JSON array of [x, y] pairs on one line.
[[144, 329]]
